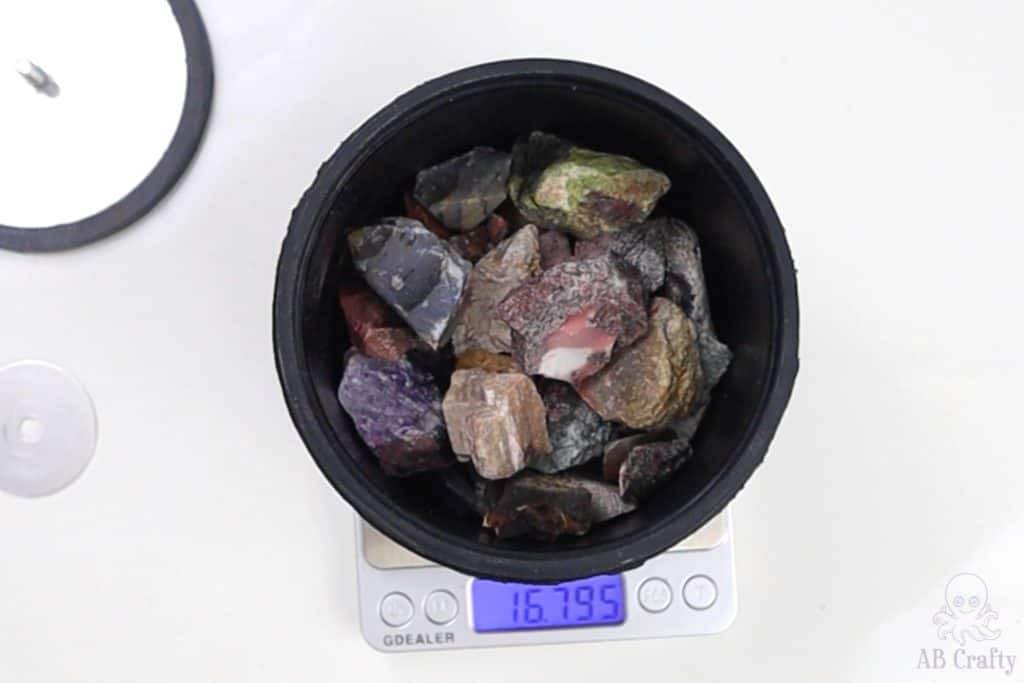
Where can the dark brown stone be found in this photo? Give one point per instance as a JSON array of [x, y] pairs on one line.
[[649, 465], [476, 243], [542, 506]]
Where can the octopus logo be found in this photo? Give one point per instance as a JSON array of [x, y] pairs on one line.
[[966, 612]]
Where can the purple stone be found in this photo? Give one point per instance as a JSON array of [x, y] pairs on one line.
[[396, 408]]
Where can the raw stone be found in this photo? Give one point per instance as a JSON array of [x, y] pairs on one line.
[[649, 465], [616, 451], [642, 247], [541, 506], [473, 245], [686, 286], [396, 408], [554, 249], [566, 323], [576, 432], [463, 191], [418, 275], [416, 211], [512, 263], [605, 501], [579, 191], [373, 328], [656, 379], [485, 360], [496, 420]]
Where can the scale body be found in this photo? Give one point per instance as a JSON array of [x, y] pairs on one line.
[[408, 603]]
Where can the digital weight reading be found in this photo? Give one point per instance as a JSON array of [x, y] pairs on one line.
[[500, 606]]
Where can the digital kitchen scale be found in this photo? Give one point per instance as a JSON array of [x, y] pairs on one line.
[[409, 603]]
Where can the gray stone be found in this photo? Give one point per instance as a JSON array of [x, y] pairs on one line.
[[463, 191], [418, 275], [641, 246], [576, 432]]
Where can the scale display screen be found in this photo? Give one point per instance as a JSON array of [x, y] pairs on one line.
[[520, 606]]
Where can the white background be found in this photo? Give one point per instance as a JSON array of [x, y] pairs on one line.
[[203, 544]]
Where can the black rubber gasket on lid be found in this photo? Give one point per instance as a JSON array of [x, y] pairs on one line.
[[170, 167]]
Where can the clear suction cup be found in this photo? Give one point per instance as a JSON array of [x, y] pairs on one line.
[[47, 429]]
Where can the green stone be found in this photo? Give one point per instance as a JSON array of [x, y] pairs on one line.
[[580, 191]]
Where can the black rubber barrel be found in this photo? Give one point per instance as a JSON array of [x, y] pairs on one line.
[[751, 285]]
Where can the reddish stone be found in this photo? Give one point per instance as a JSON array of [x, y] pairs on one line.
[[373, 327], [567, 323], [415, 210]]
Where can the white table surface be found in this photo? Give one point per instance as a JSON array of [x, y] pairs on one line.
[[203, 544]]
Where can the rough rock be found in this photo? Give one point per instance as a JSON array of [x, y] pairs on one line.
[[473, 245], [373, 328], [566, 324], [509, 265], [416, 211], [685, 285], [576, 432], [605, 501], [418, 275], [616, 451], [541, 506], [642, 247], [656, 379], [496, 420], [554, 249], [649, 465], [396, 409], [461, 192], [485, 360], [579, 191]]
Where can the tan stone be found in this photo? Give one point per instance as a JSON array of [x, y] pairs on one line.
[[496, 420], [508, 265], [654, 380], [485, 360]]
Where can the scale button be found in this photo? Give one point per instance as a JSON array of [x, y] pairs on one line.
[[396, 609], [441, 607], [655, 595], [700, 592]]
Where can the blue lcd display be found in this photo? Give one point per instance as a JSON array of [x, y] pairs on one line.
[[522, 606]]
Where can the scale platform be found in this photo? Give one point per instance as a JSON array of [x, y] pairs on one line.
[[408, 603]]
